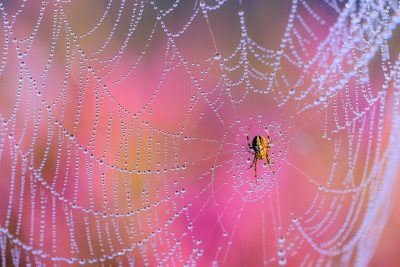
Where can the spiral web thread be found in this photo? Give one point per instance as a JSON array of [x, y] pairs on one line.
[[88, 176]]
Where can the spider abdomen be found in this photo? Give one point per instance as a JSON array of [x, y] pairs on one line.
[[259, 143]]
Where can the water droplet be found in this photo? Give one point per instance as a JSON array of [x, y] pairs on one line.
[[281, 253], [265, 165], [282, 262], [217, 56]]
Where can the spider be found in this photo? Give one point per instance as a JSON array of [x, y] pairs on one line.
[[260, 147]]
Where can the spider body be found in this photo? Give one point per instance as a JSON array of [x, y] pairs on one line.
[[260, 147], [259, 144]]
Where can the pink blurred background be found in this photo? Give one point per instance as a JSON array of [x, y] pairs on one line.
[[181, 95]]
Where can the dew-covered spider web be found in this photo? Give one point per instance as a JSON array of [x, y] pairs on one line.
[[124, 129]]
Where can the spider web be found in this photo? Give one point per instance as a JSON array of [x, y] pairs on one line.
[[124, 124]]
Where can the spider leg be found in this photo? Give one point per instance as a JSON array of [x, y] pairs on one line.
[[248, 139], [254, 160], [270, 163], [255, 167], [250, 151]]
